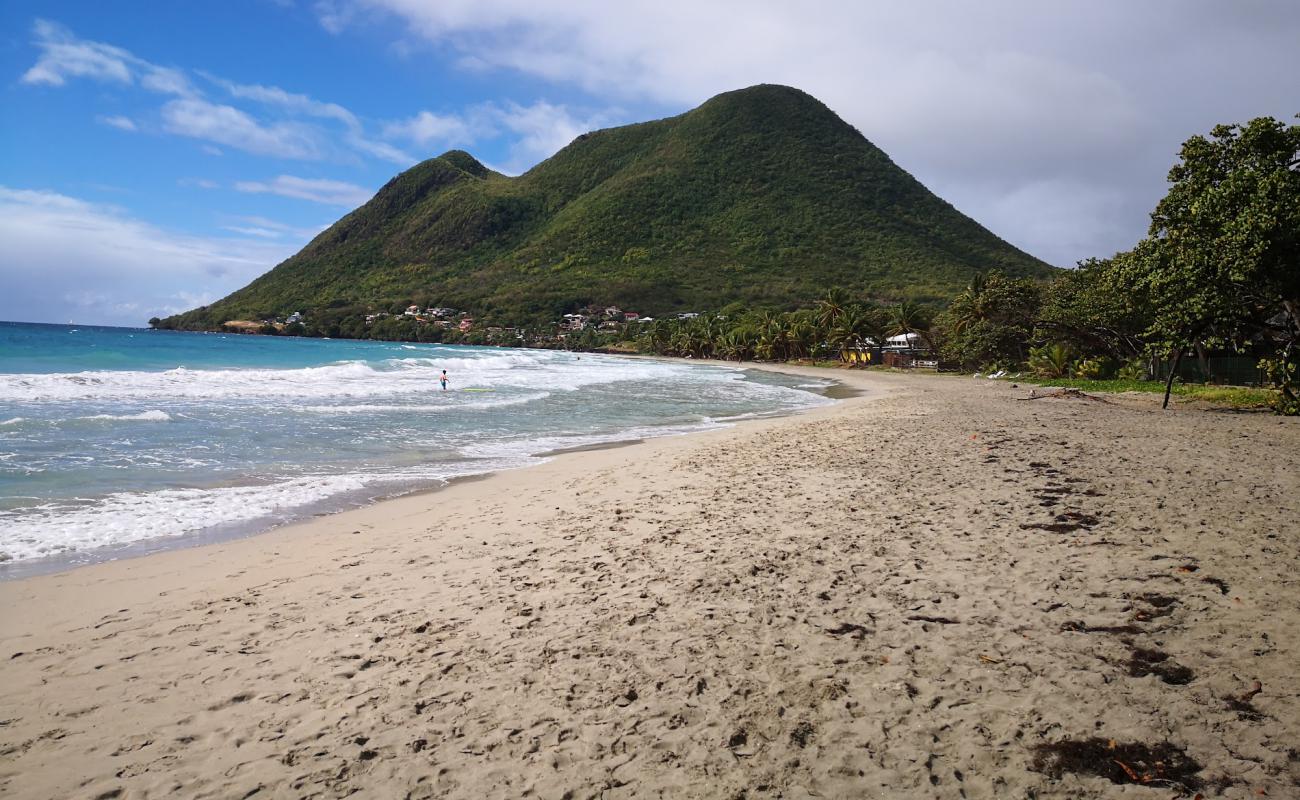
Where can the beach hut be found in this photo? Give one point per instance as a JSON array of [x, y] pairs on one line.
[[860, 354]]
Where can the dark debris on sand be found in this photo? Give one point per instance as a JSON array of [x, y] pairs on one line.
[[1163, 764], [1146, 661]]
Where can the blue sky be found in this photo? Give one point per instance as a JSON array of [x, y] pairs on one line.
[[157, 156]]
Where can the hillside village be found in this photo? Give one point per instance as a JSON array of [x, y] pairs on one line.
[[588, 328]]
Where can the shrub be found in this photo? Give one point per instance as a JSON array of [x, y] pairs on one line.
[[1051, 360], [1134, 369], [1095, 369]]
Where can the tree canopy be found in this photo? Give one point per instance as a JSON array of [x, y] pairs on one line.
[[1221, 262]]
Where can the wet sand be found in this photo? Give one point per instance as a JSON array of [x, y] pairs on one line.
[[935, 589]]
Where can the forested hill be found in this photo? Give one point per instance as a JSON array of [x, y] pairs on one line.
[[761, 195]]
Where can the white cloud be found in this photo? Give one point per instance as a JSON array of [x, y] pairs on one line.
[[119, 122], [298, 135], [335, 16], [246, 230], [64, 56], [328, 192], [265, 228], [229, 126], [427, 128], [354, 134], [275, 96], [538, 129], [381, 150], [542, 129], [166, 80], [64, 258]]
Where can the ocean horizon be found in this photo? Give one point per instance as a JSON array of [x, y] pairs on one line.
[[121, 441]]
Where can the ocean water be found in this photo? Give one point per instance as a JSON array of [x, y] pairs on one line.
[[117, 440]]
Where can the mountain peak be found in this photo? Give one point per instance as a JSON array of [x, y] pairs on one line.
[[466, 162], [768, 95]]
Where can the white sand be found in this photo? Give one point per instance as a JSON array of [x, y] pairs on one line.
[[846, 603]]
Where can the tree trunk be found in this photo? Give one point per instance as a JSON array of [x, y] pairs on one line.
[[1173, 371]]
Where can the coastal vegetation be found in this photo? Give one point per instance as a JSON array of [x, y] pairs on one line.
[[1231, 396]]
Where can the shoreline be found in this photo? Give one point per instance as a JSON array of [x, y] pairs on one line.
[[235, 531], [150, 548], [904, 593]]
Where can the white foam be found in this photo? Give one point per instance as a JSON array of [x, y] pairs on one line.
[[128, 517], [417, 408], [143, 416], [534, 446], [13, 421], [534, 369]]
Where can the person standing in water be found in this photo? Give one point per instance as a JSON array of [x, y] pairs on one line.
[[443, 380]]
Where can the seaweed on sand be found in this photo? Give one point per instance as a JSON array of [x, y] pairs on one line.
[[1145, 661], [1163, 764]]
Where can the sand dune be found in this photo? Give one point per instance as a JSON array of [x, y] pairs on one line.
[[914, 593]]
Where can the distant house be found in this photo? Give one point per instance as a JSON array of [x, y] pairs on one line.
[[905, 341], [292, 318], [906, 350], [466, 323], [574, 322], [613, 312], [687, 315], [630, 316], [441, 312], [412, 311]]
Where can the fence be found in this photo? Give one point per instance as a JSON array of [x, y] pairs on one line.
[[1233, 370]]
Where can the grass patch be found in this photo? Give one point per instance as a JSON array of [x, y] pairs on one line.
[[1231, 396]]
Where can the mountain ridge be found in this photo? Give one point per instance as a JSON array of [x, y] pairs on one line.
[[761, 195]]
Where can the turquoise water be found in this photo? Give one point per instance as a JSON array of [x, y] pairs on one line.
[[115, 438]]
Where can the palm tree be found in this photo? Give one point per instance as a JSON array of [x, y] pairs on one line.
[[831, 307], [907, 318], [968, 307], [659, 336], [801, 338], [773, 339], [738, 344], [713, 328], [854, 326]]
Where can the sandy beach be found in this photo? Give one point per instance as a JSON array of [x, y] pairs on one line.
[[935, 589]]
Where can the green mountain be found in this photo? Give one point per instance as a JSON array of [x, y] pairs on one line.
[[761, 195]]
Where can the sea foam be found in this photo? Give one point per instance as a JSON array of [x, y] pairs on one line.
[[351, 379], [143, 416]]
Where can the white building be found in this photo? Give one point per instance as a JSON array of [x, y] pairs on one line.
[[905, 341]]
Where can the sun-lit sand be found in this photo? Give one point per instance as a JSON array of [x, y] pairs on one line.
[[906, 594]]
